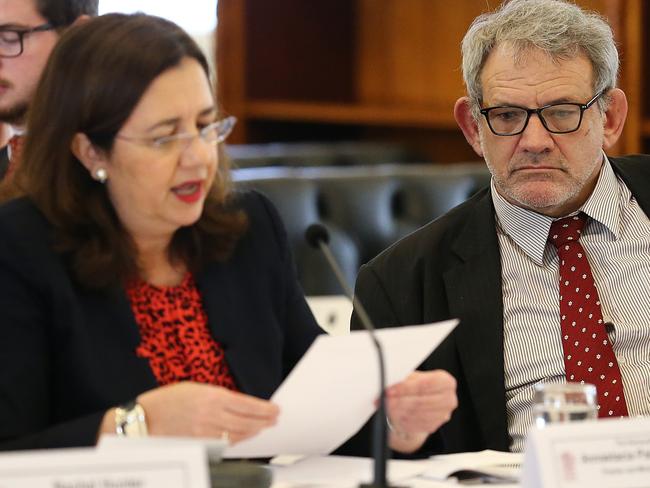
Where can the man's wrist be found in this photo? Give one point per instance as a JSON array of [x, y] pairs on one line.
[[394, 431]]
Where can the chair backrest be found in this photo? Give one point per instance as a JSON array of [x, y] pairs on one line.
[[365, 208], [300, 154]]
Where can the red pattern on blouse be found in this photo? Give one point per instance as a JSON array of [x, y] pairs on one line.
[[175, 336]]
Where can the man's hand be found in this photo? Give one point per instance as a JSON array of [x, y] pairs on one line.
[[418, 406]]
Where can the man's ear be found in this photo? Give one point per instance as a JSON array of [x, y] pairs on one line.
[[614, 117], [467, 123], [81, 19], [86, 152]]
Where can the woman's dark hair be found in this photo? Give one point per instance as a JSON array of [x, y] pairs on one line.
[[94, 78]]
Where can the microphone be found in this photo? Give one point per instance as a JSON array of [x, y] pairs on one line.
[[317, 237]]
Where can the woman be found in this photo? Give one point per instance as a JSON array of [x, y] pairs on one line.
[[137, 293]]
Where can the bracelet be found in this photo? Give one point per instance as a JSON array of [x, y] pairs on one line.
[[402, 435], [130, 420]]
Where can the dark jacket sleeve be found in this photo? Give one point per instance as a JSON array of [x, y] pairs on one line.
[[25, 353]]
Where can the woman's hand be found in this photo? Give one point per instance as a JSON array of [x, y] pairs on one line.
[[418, 406], [199, 410]]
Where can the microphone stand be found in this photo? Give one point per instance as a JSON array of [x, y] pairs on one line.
[[380, 436]]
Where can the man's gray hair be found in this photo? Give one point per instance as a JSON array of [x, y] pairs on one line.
[[557, 27]]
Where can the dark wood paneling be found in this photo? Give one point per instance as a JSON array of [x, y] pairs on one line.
[[386, 70], [300, 50]]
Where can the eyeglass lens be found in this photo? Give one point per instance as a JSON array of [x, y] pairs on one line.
[[213, 134], [556, 118], [218, 131], [10, 43], [12, 40]]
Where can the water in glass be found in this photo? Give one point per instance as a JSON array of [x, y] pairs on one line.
[[564, 402]]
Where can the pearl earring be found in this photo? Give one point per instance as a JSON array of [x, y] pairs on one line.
[[101, 175]]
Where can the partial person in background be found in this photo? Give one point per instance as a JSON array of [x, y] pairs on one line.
[[138, 293], [5, 136], [517, 263], [29, 30]]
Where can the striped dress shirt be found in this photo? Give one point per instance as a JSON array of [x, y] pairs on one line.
[[616, 239]]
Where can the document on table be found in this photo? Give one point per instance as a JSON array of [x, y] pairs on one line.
[[335, 471], [349, 472], [331, 392], [488, 465]]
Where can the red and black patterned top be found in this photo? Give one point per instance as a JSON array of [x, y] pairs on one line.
[[175, 336]]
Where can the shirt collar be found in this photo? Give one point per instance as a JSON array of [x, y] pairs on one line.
[[529, 230], [17, 131], [605, 204]]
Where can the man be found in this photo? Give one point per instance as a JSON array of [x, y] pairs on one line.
[[542, 107], [29, 30]]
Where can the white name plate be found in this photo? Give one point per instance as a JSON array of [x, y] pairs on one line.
[[213, 447], [603, 454], [180, 467], [332, 313]]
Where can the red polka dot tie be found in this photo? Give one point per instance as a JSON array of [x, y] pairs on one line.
[[588, 353], [16, 144]]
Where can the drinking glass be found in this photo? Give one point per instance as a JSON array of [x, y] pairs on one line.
[[564, 402]]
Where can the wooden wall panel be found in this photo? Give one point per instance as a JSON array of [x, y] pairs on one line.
[[409, 51], [230, 53], [381, 67], [300, 52]]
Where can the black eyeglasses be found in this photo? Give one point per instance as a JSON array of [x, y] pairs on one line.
[[557, 118], [11, 39]]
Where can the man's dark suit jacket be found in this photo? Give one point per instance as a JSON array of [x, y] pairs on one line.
[[67, 354], [452, 268]]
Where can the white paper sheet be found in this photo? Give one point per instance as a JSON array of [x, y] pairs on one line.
[[330, 393]]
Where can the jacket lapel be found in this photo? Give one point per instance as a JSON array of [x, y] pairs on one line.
[[474, 293], [635, 172], [224, 304], [114, 337]]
